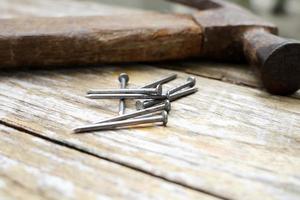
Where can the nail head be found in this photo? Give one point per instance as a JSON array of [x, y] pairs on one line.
[[167, 105], [192, 80], [165, 118], [124, 76]]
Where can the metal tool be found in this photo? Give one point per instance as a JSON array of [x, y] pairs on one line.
[[276, 59], [126, 96], [125, 123], [148, 103], [149, 91], [166, 106], [191, 81], [123, 79], [161, 81]]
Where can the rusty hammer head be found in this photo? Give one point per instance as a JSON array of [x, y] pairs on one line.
[[233, 33]]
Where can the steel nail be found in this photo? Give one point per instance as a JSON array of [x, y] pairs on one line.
[[140, 105], [123, 79], [166, 107], [149, 91], [180, 94], [161, 81], [172, 97], [126, 96], [125, 123], [191, 82], [150, 115]]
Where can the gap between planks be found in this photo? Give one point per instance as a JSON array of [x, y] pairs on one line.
[[79, 149], [51, 169], [239, 192], [194, 137]]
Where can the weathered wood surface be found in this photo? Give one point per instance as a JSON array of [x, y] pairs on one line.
[[32, 168], [114, 35], [239, 74], [72, 41], [228, 141], [223, 134]]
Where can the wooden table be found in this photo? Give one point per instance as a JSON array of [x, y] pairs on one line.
[[231, 140]]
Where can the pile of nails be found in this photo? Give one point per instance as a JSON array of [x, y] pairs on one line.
[[153, 106]]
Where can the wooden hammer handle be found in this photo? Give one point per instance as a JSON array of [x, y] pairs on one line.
[[276, 59], [71, 41]]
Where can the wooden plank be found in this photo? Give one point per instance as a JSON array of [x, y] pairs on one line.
[[239, 74], [33, 168], [10, 190], [241, 141], [225, 140]]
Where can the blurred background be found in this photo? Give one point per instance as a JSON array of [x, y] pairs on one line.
[[284, 13]]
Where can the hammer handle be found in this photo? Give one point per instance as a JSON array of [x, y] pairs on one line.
[[276, 59], [71, 41]]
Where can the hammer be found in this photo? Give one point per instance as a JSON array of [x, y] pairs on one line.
[[217, 30], [233, 33]]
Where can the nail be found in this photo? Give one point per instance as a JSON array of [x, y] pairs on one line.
[[149, 91], [161, 81], [166, 106], [191, 82], [126, 96], [172, 97], [150, 115], [178, 95], [121, 124], [123, 79]]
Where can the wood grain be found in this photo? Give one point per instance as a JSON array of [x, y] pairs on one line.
[[228, 141], [241, 75], [76, 41], [38, 169], [238, 74], [19, 8], [115, 35], [223, 134]]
